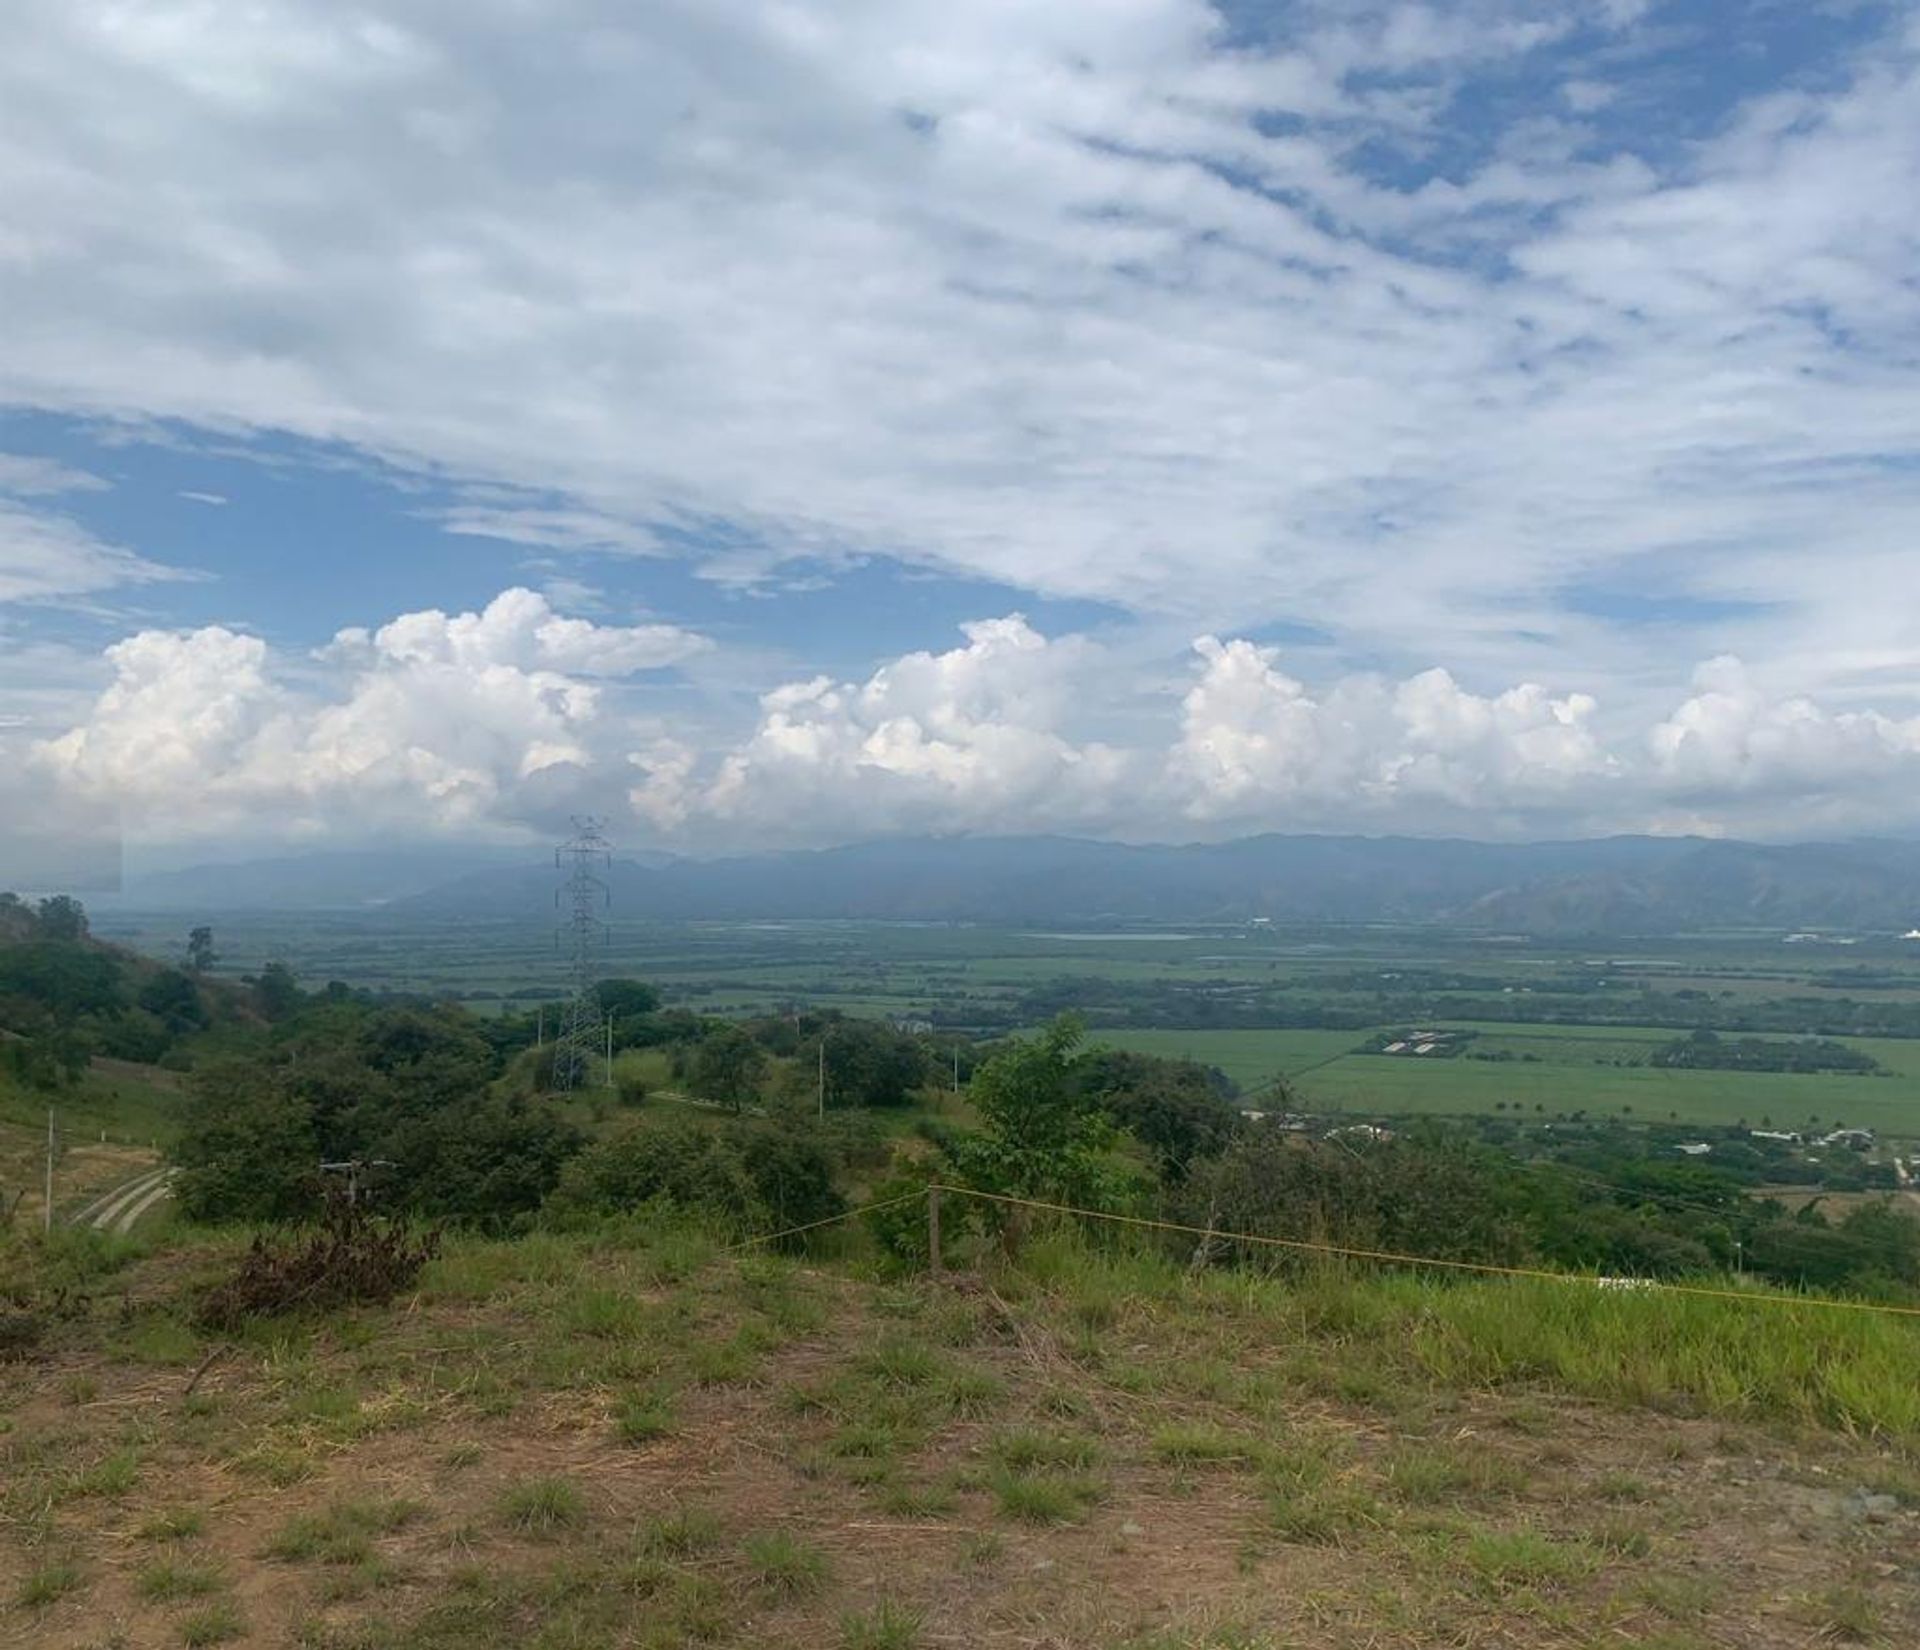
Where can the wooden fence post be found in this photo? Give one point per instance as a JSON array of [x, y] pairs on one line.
[[934, 1264]]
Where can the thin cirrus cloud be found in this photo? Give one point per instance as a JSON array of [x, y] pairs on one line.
[[46, 555], [1407, 325]]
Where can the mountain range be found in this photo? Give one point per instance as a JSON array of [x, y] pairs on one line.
[[1605, 885]]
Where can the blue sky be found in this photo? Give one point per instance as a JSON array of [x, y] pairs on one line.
[[777, 424]]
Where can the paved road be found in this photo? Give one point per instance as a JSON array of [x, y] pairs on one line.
[[119, 1209]]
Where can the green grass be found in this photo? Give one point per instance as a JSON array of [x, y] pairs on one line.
[[168, 1579], [887, 1626], [1771, 1358], [784, 1563], [214, 1624], [1505, 1559], [172, 1524], [543, 1506], [680, 1533], [641, 1418], [340, 1533], [1043, 1497], [50, 1583], [1021, 1448], [1203, 1443]]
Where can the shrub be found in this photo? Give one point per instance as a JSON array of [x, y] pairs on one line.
[[352, 1258]]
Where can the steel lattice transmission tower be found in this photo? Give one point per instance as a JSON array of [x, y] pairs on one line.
[[587, 862]]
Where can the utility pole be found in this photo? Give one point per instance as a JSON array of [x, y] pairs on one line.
[[823, 1074], [609, 1051], [49, 1211], [587, 862], [956, 1068]]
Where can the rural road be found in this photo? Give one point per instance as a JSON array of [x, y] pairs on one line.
[[119, 1209]]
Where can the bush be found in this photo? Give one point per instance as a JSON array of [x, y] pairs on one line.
[[351, 1259], [753, 1176]]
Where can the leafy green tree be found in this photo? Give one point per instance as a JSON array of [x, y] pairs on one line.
[[62, 917], [249, 1152], [626, 999], [173, 999], [275, 991], [866, 1063], [727, 1067], [483, 1161], [60, 980], [1042, 1135], [201, 955], [1177, 1109]]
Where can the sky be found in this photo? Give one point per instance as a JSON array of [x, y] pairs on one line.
[[769, 424]]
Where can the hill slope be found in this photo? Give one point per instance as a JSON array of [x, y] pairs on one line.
[[582, 1442]]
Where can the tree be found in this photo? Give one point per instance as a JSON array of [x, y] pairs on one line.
[[174, 1000], [62, 917], [727, 1067], [249, 1151], [276, 991], [1177, 1109], [626, 999], [201, 955], [866, 1063], [1042, 1134]]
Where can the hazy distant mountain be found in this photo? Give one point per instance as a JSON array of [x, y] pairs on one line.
[[335, 881], [1611, 885]]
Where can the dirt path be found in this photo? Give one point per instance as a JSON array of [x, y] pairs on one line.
[[119, 1209]]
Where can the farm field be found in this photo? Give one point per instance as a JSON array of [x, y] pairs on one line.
[[1371, 1083], [1557, 1069]]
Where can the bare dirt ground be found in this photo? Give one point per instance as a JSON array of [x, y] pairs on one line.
[[557, 1447]]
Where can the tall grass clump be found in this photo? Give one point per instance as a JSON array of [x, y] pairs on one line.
[[1768, 1356]]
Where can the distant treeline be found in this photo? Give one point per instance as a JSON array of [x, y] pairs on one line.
[[1707, 1051]]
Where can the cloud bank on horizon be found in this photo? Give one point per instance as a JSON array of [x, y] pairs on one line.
[[1491, 418]]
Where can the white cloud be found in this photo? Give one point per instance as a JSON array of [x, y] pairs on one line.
[[519, 629], [1255, 744], [468, 722], [45, 556], [29, 476], [1097, 299], [964, 740], [510, 717], [1730, 740]]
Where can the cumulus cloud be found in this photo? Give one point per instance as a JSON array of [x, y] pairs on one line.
[[1134, 302], [507, 718], [966, 739], [1731, 741], [1255, 743], [469, 721]]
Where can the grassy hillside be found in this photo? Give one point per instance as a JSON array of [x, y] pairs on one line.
[[627, 1438], [107, 1129]]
